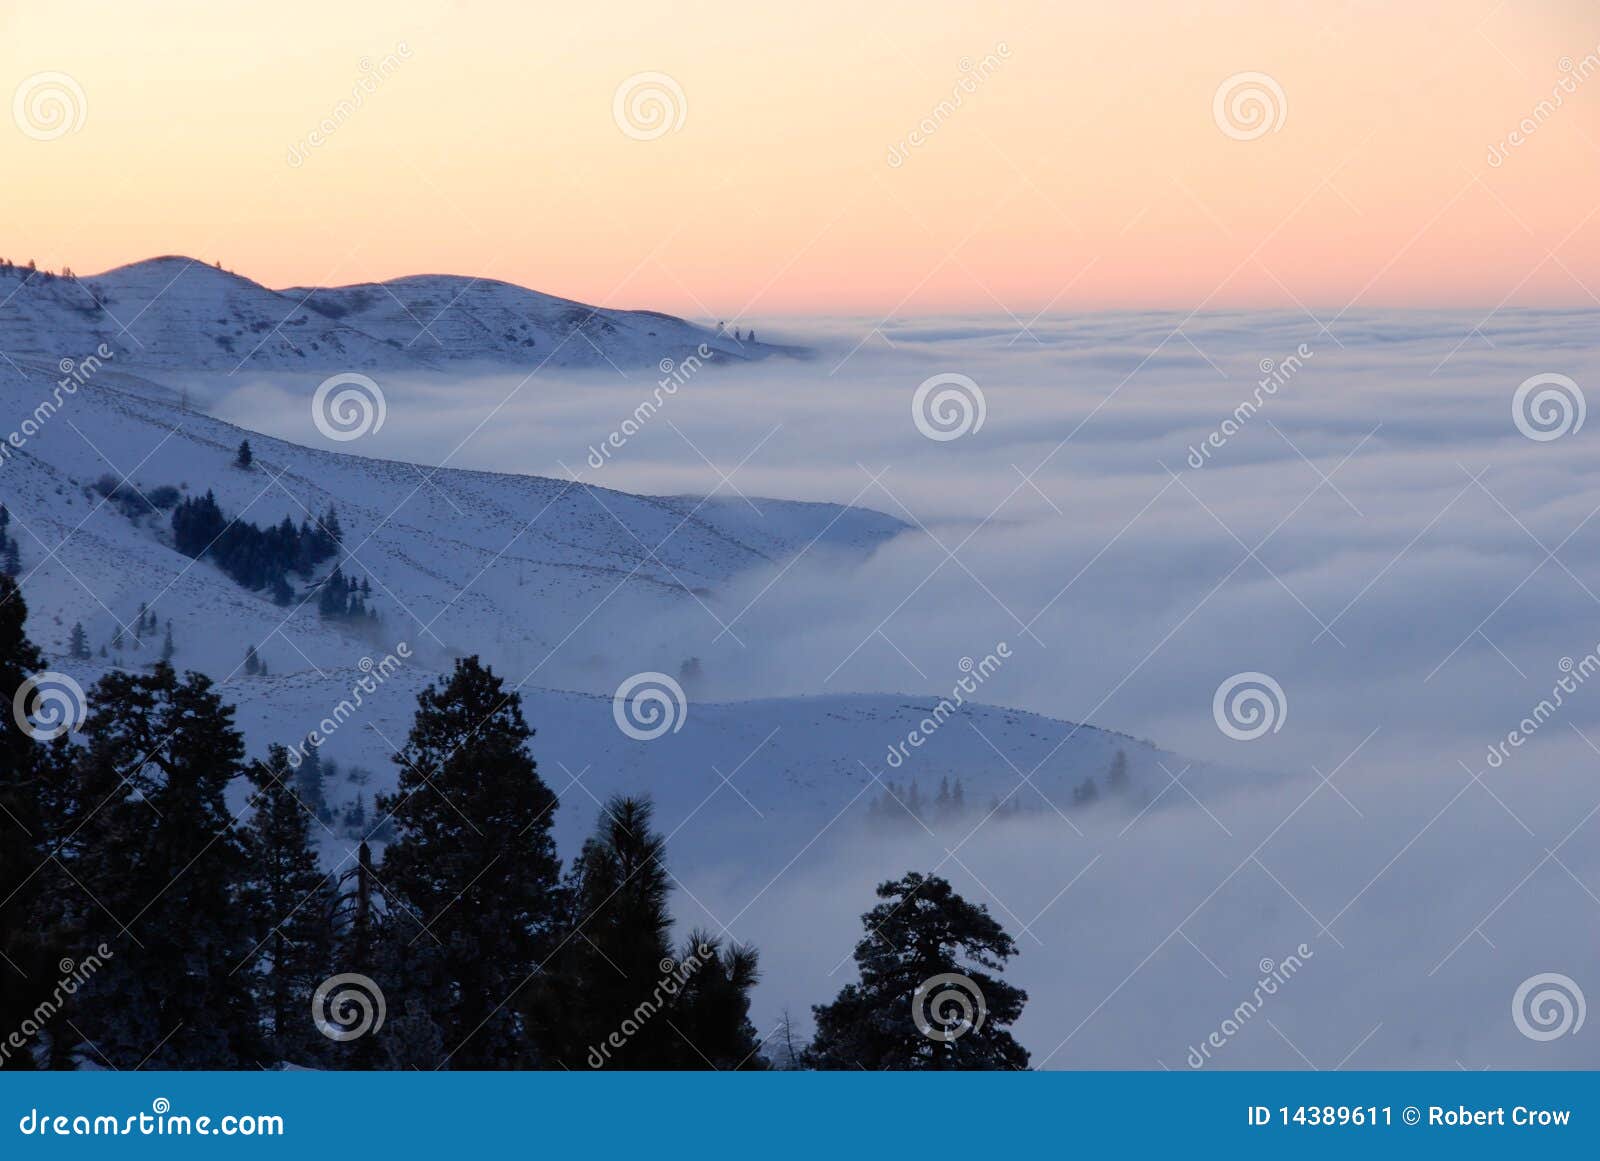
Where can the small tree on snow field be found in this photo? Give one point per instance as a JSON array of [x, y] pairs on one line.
[[1117, 776], [245, 457]]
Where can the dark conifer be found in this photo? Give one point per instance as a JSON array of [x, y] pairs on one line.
[[615, 939], [1117, 776], [290, 904], [161, 864], [473, 860], [901, 1014], [28, 920]]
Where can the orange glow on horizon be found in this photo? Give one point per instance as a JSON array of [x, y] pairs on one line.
[[1075, 163]]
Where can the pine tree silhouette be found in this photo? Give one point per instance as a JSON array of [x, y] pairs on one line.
[[921, 931], [1117, 776], [290, 904], [30, 919], [473, 859], [153, 837]]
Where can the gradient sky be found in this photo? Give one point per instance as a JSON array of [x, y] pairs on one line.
[[1087, 171]]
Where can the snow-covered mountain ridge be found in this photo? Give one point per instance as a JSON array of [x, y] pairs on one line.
[[179, 314]]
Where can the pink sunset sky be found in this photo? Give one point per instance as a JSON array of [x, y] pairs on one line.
[[824, 157]]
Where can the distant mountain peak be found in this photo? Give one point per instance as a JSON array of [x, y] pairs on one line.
[[178, 313]]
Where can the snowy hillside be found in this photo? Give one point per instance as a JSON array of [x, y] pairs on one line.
[[550, 581], [540, 574], [180, 314]]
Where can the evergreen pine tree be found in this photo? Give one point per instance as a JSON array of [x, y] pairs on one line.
[[309, 782], [252, 663], [78, 643], [155, 847], [245, 457], [473, 860], [167, 647], [921, 931], [27, 920], [1085, 793], [290, 905], [334, 599], [1117, 776], [610, 959], [712, 1011]]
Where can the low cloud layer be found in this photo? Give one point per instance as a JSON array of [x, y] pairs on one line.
[[1375, 532]]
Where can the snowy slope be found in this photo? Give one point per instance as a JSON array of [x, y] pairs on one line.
[[549, 580], [541, 574], [179, 314]]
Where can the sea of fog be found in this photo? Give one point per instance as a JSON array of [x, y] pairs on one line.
[[1387, 526]]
